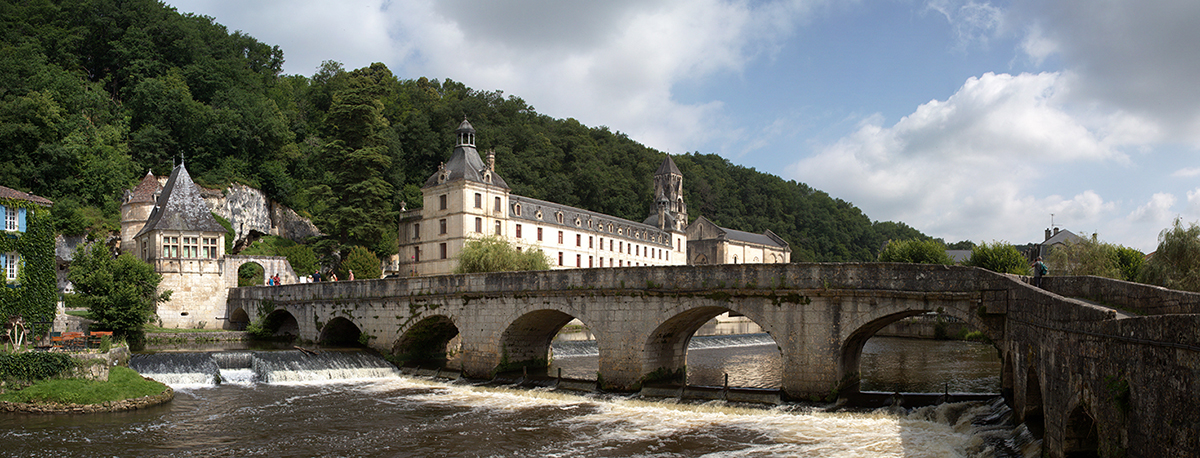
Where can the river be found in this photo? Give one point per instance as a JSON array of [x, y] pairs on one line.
[[283, 403]]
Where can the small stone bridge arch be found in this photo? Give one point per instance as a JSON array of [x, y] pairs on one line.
[[1065, 360], [271, 265]]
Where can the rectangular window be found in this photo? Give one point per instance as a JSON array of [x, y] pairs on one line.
[[12, 261], [498, 226], [442, 250], [589, 262], [578, 239], [497, 204], [601, 243], [191, 247], [560, 258], [590, 241], [416, 231], [609, 245], [518, 231], [578, 260], [10, 219], [478, 200], [170, 247], [210, 248], [442, 202], [442, 223], [637, 250], [539, 234], [620, 247], [560, 237], [668, 255], [620, 263], [416, 254], [479, 225]]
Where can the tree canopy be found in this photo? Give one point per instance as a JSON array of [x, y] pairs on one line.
[[120, 292], [999, 257], [915, 251], [1176, 262], [493, 254]]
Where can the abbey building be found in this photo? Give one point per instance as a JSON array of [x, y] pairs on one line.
[[465, 199]]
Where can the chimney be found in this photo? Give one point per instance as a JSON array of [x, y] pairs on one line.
[[1047, 234], [1056, 231], [491, 160]]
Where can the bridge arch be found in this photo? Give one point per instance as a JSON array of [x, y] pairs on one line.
[[238, 319], [340, 331], [281, 322], [526, 340], [427, 340], [863, 327], [1081, 438], [666, 346]]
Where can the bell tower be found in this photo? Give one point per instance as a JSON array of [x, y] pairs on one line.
[[668, 205]]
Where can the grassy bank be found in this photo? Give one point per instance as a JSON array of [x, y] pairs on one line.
[[123, 383]]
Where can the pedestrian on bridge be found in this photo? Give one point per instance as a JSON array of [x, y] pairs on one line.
[[1039, 270]]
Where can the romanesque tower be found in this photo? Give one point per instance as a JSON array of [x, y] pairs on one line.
[[135, 210], [668, 211]]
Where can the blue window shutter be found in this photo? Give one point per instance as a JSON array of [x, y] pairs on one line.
[[21, 219]]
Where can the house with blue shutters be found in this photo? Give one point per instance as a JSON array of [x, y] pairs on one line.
[[27, 257]]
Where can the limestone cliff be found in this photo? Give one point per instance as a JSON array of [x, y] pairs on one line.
[[250, 212]]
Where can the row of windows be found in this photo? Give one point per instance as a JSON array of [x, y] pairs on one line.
[[621, 247], [558, 217], [592, 259], [191, 247]]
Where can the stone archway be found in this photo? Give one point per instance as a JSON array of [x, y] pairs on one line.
[[526, 341], [340, 331], [427, 341], [238, 319], [1081, 438]]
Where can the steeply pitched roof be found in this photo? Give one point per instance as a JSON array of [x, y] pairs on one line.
[[180, 208], [144, 192], [668, 166], [1063, 237], [10, 193]]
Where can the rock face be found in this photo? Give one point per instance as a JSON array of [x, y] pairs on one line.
[[250, 212]]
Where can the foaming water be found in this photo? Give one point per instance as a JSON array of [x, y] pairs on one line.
[[206, 370], [400, 416]]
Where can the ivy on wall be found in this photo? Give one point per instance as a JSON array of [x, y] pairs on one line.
[[35, 292]]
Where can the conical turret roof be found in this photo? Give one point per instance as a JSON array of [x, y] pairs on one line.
[[180, 207]]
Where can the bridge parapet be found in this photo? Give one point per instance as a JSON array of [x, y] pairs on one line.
[[1137, 297]]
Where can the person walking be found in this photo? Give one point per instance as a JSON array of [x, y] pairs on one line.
[[1039, 270]]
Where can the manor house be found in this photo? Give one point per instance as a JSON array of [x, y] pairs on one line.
[[465, 199]]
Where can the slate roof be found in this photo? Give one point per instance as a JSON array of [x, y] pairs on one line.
[[767, 238], [180, 207], [668, 166], [1064, 236], [144, 192], [465, 164], [10, 193]]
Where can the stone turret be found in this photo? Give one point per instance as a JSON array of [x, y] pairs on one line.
[[135, 210]]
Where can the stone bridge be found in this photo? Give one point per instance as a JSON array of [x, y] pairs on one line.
[[1120, 377]]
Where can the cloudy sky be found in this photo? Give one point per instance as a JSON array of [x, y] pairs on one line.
[[968, 120]]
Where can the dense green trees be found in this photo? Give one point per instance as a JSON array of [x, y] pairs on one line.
[[363, 262], [915, 251], [120, 292], [1092, 257], [1176, 263], [94, 92], [999, 257], [492, 254]]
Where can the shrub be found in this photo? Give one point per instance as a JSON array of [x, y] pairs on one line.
[[915, 251], [36, 365], [999, 257], [493, 254], [363, 262]]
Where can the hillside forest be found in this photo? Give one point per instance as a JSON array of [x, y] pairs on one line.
[[93, 93]]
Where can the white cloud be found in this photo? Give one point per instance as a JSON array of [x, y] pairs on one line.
[[967, 167], [1130, 56], [1157, 210], [972, 22]]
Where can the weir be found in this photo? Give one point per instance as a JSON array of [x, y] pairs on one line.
[[186, 369]]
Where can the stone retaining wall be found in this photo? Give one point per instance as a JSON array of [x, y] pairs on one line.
[[111, 406], [224, 336]]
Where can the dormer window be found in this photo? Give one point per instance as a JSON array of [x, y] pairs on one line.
[[517, 209], [558, 217]]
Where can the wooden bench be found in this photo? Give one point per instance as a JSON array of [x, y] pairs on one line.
[[95, 337]]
